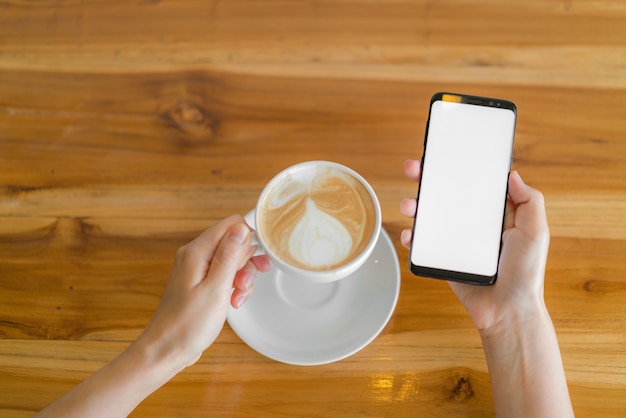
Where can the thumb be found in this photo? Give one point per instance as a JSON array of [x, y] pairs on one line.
[[521, 193], [518, 190], [229, 255], [531, 211]]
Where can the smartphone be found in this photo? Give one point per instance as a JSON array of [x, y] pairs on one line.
[[461, 199]]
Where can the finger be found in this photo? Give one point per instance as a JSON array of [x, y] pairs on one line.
[[245, 276], [239, 297], [211, 237], [509, 214], [412, 169], [244, 279], [193, 259], [408, 207], [530, 211], [228, 256], [522, 194], [262, 263], [247, 256], [518, 190], [405, 238], [515, 185]]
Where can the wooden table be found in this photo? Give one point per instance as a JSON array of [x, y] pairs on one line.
[[126, 128]]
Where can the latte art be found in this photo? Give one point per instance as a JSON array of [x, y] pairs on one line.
[[319, 239], [318, 218]]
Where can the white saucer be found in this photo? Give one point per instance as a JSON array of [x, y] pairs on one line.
[[307, 324]]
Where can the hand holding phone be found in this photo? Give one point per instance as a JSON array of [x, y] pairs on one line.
[[513, 314], [457, 232]]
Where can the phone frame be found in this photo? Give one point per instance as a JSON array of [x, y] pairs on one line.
[[459, 276]]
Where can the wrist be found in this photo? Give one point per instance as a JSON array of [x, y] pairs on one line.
[[117, 388], [517, 321], [156, 363], [525, 365]]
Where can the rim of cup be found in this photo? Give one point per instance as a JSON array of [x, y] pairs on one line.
[[337, 272]]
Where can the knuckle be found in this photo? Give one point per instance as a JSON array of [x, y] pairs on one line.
[[228, 254], [182, 254]]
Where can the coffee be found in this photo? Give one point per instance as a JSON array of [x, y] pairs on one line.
[[317, 217]]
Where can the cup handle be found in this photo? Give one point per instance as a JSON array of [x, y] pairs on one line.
[[254, 237], [254, 240]]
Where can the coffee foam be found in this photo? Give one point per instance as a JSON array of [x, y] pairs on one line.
[[317, 218]]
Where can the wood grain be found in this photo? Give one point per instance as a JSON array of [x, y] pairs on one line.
[[126, 128]]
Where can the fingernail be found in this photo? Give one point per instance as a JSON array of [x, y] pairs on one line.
[[241, 299], [240, 233], [247, 283], [238, 301], [515, 174]]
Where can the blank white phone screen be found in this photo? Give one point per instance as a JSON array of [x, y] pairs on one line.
[[462, 195]]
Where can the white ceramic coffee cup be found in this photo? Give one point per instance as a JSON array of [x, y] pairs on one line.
[[319, 274]]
